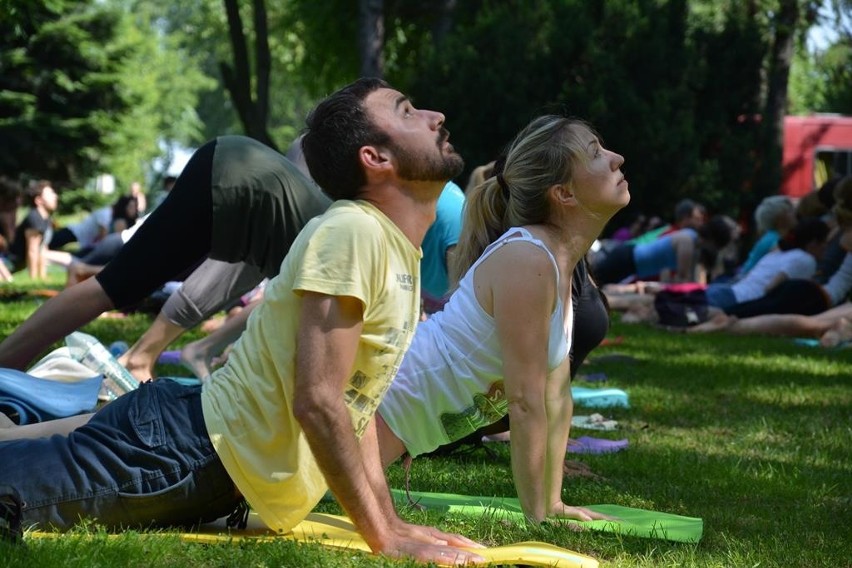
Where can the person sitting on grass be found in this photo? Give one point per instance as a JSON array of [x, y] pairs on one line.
[[774, 217], [29, 245], [805, 296], [796, 258], [832, 324], [96, 225]]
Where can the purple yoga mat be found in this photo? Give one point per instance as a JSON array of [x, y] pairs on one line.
[[589, 445], [169, 358]]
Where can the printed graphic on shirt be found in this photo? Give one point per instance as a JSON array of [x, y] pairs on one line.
[[486, 409], [406, 282], [364, 393]]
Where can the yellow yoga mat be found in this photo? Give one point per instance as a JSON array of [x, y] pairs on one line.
[[338, 532]]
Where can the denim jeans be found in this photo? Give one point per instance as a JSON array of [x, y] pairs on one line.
[[721, 296], [144, 459]]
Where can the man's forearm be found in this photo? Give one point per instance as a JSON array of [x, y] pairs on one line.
[[371, 458], [335, 447]]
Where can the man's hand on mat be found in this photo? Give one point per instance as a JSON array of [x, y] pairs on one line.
[[579, 513], [431, 535], [428, 544]]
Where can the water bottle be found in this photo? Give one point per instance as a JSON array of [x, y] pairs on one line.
[[92, 353]]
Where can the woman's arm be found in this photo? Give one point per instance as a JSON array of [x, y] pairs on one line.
[[684, 245], [522, 282], [522, 285]]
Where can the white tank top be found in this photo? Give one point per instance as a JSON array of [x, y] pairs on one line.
[[451, 379]]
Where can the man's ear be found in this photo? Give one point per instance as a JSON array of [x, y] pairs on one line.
[[374, 158]]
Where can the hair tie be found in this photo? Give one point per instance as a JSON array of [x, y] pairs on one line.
[[497, 171], [502, 182]]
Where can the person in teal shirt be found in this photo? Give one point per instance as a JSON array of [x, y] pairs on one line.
[[440, 239]]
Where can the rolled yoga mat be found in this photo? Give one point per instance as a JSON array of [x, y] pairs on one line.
[[27, 399], [599, 398]]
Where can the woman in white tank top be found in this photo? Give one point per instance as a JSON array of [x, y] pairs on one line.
[[501, 344]]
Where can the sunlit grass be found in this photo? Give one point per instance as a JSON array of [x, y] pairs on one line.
[[751, 434]]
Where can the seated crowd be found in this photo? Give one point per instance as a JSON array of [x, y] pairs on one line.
[[795, 280]]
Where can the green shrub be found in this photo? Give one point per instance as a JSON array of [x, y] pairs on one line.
[[74, 200]]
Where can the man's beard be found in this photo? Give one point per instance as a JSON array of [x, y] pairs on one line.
[[432, 167]]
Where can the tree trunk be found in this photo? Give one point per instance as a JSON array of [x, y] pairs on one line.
[[253, 111], [781, 57], [444, 23], [371, 37]]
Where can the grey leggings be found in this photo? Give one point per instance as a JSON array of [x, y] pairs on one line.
[[208, 289]]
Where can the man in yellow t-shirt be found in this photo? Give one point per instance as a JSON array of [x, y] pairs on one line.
[[292, 411], [335, 255]]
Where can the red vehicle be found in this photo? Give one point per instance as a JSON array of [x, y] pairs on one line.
[[816, 149]]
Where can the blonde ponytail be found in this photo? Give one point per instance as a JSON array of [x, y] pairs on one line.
[[542, 155]]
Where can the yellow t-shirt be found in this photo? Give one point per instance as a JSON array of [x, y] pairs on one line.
[[351, 250]]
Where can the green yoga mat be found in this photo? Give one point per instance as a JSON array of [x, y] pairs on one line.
[[632, 522]]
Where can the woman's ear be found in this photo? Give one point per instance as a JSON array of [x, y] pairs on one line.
[[562, 193]]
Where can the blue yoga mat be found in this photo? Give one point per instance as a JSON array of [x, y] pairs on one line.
[[27, 399], [599, 398]]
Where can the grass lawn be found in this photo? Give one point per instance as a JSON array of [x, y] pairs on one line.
[[751, 434]]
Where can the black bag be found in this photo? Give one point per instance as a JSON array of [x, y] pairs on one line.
[[681, 308]]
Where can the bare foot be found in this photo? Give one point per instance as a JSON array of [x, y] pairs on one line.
[[197, 359], [719, 322], [839, 333]]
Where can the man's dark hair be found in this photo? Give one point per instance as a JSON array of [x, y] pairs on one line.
[[336, 129], [35, 189], [684, 209]]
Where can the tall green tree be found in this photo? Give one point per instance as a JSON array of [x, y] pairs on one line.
[[253, 51], [821, 78], [691, 91], [80, 93]]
